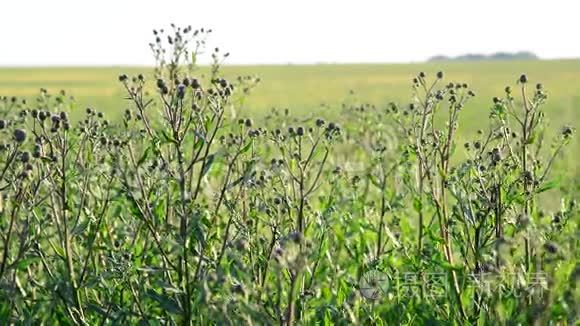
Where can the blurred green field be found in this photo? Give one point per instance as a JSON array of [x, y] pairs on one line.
[[322, 88]]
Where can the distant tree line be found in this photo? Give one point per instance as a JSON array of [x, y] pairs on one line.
[[522, 55]]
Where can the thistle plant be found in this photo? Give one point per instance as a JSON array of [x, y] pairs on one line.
[[188, 209]]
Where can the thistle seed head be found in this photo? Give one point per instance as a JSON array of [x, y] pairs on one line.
[[25, 157], [19, 135], [300, 131]]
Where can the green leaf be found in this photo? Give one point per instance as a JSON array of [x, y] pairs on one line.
[[374, 181], [201, 140], [208, 163], [417, 204], [548, 185], [450, 267], [23, 264], [532, 138], [246, 148], [168, 138], [80, 229], [167, 303], [145, 156]]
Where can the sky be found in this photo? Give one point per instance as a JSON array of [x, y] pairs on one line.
[[117, 32]]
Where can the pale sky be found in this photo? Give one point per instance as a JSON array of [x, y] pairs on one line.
[[117, 32]]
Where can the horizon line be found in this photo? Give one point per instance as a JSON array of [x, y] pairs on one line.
[[451, 60]]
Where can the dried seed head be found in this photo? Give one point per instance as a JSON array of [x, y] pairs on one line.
[[523, 79], [181, 91], [528, 176], [37, 151], [567, 132], [551, 247], [440, 75], [2, 124], [278, 253], [496, 155], [238, 289], [25, 157], [19, 135], [25, 174], [300, 131], [295, 237], [248, 123], [241, 245], [195, 83]]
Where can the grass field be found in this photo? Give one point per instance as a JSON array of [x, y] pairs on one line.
[[160, 207], [306, 88], [320, 89]]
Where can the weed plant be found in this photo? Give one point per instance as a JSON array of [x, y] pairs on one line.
[[187, 211]]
